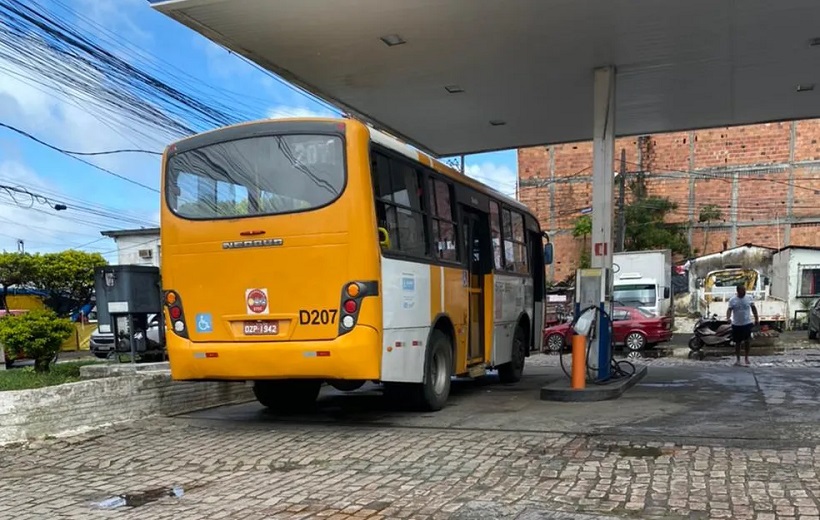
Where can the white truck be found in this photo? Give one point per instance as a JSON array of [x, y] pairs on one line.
[[643, 279], [715, 291]]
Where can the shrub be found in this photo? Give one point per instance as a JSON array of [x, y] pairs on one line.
[[36, 335]]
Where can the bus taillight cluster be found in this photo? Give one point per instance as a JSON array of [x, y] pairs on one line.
[[352, 296], [174, 305]]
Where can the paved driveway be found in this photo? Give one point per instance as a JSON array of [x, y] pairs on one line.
[[698, 441]]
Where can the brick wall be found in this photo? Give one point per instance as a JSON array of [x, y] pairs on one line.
[[762, 177]]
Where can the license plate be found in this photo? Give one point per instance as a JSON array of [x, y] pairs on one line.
[[261, 328]]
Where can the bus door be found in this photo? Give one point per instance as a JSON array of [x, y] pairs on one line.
[[476, 233]]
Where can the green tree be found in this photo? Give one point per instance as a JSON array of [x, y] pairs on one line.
[[647, 228], [68, 277], [15, 269], [646, 221], [583, 229], [37, 335], [708, 214]]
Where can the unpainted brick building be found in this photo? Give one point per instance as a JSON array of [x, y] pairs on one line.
[[765, 179]]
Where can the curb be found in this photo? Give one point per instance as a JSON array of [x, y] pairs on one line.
[[561, 391]]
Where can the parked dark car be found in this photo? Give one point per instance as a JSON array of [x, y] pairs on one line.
[[634, 328]]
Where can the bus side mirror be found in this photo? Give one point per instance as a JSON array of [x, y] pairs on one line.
[[384, 238], [666, 292], [548, 254]]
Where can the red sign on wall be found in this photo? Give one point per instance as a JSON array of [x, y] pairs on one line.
[[600, 248]]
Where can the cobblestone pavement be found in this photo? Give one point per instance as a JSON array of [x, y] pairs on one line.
[[298, 471]]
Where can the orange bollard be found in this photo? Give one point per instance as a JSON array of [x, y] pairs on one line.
[[579, 362]]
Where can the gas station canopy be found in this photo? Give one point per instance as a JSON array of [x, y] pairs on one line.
[[463, 76]]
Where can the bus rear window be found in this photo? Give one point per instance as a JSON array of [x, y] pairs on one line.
[[256, 176]]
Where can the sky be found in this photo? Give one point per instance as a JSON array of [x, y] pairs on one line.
[[97, 200]]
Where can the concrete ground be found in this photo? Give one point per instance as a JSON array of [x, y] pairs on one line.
[[697, 440]]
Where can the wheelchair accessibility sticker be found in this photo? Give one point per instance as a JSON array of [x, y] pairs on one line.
[[204, 323]]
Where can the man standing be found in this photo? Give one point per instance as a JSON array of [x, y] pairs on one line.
[[741, 308]]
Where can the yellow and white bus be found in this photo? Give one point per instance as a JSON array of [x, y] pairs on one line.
[[307, 251]]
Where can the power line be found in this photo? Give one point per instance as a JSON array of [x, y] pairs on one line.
[[73, 156], [69, 152], [76, 203], [14, 191]]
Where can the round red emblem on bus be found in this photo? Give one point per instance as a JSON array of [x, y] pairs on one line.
[[257, 301]]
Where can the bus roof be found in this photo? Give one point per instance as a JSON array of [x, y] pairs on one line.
[[384, 139]]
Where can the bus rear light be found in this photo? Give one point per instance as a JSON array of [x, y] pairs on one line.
[[352, 295], [348, 322], [175, 312]]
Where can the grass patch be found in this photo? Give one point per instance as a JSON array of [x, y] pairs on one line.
[[26, 378]]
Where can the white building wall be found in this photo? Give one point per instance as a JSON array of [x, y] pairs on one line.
[[129, 248], [781, 283], [797, 258]]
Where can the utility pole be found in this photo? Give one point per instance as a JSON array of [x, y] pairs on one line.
[[619, 247]]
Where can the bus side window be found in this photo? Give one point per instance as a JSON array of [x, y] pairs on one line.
[[495, 227], [444, 227]]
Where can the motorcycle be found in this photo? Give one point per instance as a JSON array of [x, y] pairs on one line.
[[711, 332]]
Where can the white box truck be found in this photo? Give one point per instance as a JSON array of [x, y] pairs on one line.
[[643, 279]]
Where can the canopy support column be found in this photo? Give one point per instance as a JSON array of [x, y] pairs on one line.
[[603, 159]]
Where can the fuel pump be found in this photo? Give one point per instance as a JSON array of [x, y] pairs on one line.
[[592, 313]]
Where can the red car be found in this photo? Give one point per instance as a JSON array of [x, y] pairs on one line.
[[633, 328]]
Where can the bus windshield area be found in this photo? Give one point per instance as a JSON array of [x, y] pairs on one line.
[[264, 175], [637, 295]]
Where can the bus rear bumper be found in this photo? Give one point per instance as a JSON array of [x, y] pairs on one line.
[[355, 356]]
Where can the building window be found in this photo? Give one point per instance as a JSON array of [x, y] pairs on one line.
[[810, 280], [399, 199], [444, 226]]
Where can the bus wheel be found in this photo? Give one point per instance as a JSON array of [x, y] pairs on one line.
[[287, 395], [432, 394], [511, 372]]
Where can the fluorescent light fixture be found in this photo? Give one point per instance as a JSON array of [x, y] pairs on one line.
[[805, 87], [391, 40], [454, 89], [497, 122]]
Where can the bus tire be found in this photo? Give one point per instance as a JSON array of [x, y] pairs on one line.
[[287, 395], [511, 372], [432, 394]]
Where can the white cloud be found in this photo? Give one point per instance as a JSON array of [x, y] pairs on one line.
[[500, 177], [282, 111]]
